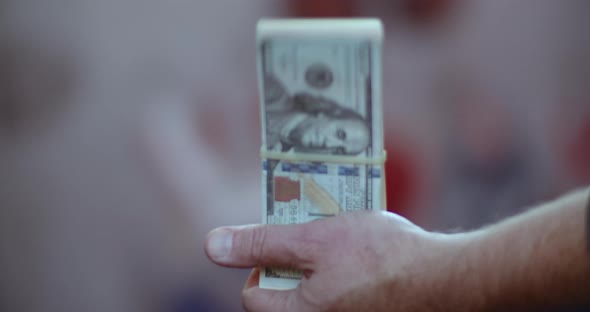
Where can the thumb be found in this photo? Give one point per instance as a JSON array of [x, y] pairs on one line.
[[289, 246]]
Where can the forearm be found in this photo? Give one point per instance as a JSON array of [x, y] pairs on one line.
[[540, 258]]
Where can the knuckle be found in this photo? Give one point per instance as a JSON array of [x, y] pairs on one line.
[[258, 238], [315, 239]]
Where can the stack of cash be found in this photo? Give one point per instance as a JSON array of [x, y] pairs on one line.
[[322, 128]]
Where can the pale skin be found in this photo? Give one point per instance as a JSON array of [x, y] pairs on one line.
[[382, 262]]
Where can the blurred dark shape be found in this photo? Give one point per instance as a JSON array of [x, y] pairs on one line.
[[194, 300], [34, 85], [579, 157], [401, 178], [324, 8], [487, 174], [425, 11]]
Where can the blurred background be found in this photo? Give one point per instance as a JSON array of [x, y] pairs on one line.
[[129, 129]]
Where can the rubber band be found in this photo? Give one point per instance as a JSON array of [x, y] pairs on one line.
[[378, 160]]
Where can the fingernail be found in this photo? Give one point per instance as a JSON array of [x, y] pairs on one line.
[[219, 244]]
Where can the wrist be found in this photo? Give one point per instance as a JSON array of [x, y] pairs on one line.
[[462, 283], [446, 278], [483, 268], [534, 259]]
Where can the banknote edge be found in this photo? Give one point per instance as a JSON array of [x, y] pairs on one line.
[[367, 28]]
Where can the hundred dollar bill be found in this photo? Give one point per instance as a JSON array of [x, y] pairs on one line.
[[322, 128]]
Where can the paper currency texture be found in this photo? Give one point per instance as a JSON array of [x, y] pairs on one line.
[[322, 129]]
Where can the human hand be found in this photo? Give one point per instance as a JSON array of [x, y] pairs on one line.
[[362, 261]]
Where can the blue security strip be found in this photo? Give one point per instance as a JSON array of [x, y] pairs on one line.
[[304, 168], [375, 173], [348, 171]]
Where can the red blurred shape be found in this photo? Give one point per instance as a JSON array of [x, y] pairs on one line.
[[400, 180], [286, 189], [580, 153], [323, 8], [425, 11]]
